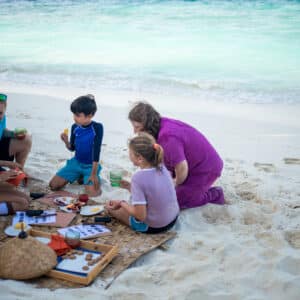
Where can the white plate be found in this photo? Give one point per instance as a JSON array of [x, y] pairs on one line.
[[91, 210], [12, 231], [43, 240], [63, 201]]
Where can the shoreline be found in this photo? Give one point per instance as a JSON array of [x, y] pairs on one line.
[[236, 130], [283, 113]]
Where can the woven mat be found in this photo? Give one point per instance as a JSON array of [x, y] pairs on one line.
[[131, 245]]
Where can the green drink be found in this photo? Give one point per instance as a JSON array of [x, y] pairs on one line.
[[115, 177], [20, 133]]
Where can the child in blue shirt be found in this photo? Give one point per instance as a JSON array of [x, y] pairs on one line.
[[86, 139]]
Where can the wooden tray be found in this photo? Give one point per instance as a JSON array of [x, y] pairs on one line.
[[108, 253]]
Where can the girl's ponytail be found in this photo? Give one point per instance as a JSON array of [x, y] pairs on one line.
[[145, 145], [159, 154]]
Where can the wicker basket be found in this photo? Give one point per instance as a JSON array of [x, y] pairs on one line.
[[25, 259]]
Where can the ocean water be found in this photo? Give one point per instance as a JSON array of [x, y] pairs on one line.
[[236, 51]]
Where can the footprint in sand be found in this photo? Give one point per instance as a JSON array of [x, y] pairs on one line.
[[269, 168], [256, 218], [270, 240], [292, 161], [249, 196], [293, 237], [246, 191], [23, 116], [216, 214], [290, 265]]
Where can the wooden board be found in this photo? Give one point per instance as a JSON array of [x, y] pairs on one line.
[[109, 253]]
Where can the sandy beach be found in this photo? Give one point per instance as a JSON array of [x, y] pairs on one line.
[[247, 249]]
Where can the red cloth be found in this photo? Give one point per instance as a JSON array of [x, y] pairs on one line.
[[58, 244], [18, 179]]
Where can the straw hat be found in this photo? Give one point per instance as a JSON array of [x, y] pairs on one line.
[[25, 258]]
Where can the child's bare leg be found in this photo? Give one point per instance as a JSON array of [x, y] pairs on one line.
[[57, 183], [120, 214], [20, 149], [91, 191]]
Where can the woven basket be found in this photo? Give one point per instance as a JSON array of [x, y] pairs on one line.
[[25, 259]]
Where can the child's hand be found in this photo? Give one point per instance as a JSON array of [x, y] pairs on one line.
[[11, 164], [64, 138], [113, 204], [124, 184], [94, 179], [7, 175]]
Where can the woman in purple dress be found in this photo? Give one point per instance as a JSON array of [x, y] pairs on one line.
[[192, 160]]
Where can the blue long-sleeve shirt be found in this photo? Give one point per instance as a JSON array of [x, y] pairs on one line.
[[86, 141]]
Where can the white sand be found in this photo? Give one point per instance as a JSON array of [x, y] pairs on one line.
[[236, 251]]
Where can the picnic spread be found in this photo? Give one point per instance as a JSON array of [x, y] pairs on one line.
[[76, 243]]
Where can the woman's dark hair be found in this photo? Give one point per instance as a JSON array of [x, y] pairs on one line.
[[84, 104], [144, 113], [144, 144]]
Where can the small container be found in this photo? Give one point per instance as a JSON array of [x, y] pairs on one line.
[[20, 133], [115, 177], [66, 131], [72, 238], [21, 177], [83, 198]]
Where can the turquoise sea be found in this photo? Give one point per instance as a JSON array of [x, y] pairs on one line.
[[236, 51]]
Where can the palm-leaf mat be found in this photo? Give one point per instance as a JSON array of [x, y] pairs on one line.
[[131, 245]]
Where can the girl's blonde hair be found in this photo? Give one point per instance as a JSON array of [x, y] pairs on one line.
[[145, 145]]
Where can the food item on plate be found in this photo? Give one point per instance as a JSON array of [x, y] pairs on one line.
[[75, 207], [94, 209], [20, 226]]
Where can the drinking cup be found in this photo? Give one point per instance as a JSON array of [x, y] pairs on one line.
[[83, 198], [20, 133], [72, 238], [115, 177]]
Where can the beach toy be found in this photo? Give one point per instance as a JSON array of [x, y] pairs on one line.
[[115, 177], [24, 257], [66, 131], [20, 133]]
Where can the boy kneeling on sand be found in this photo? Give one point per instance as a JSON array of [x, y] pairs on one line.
[[86, 139]]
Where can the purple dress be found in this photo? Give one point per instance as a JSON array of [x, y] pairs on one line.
[[181, 142]]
